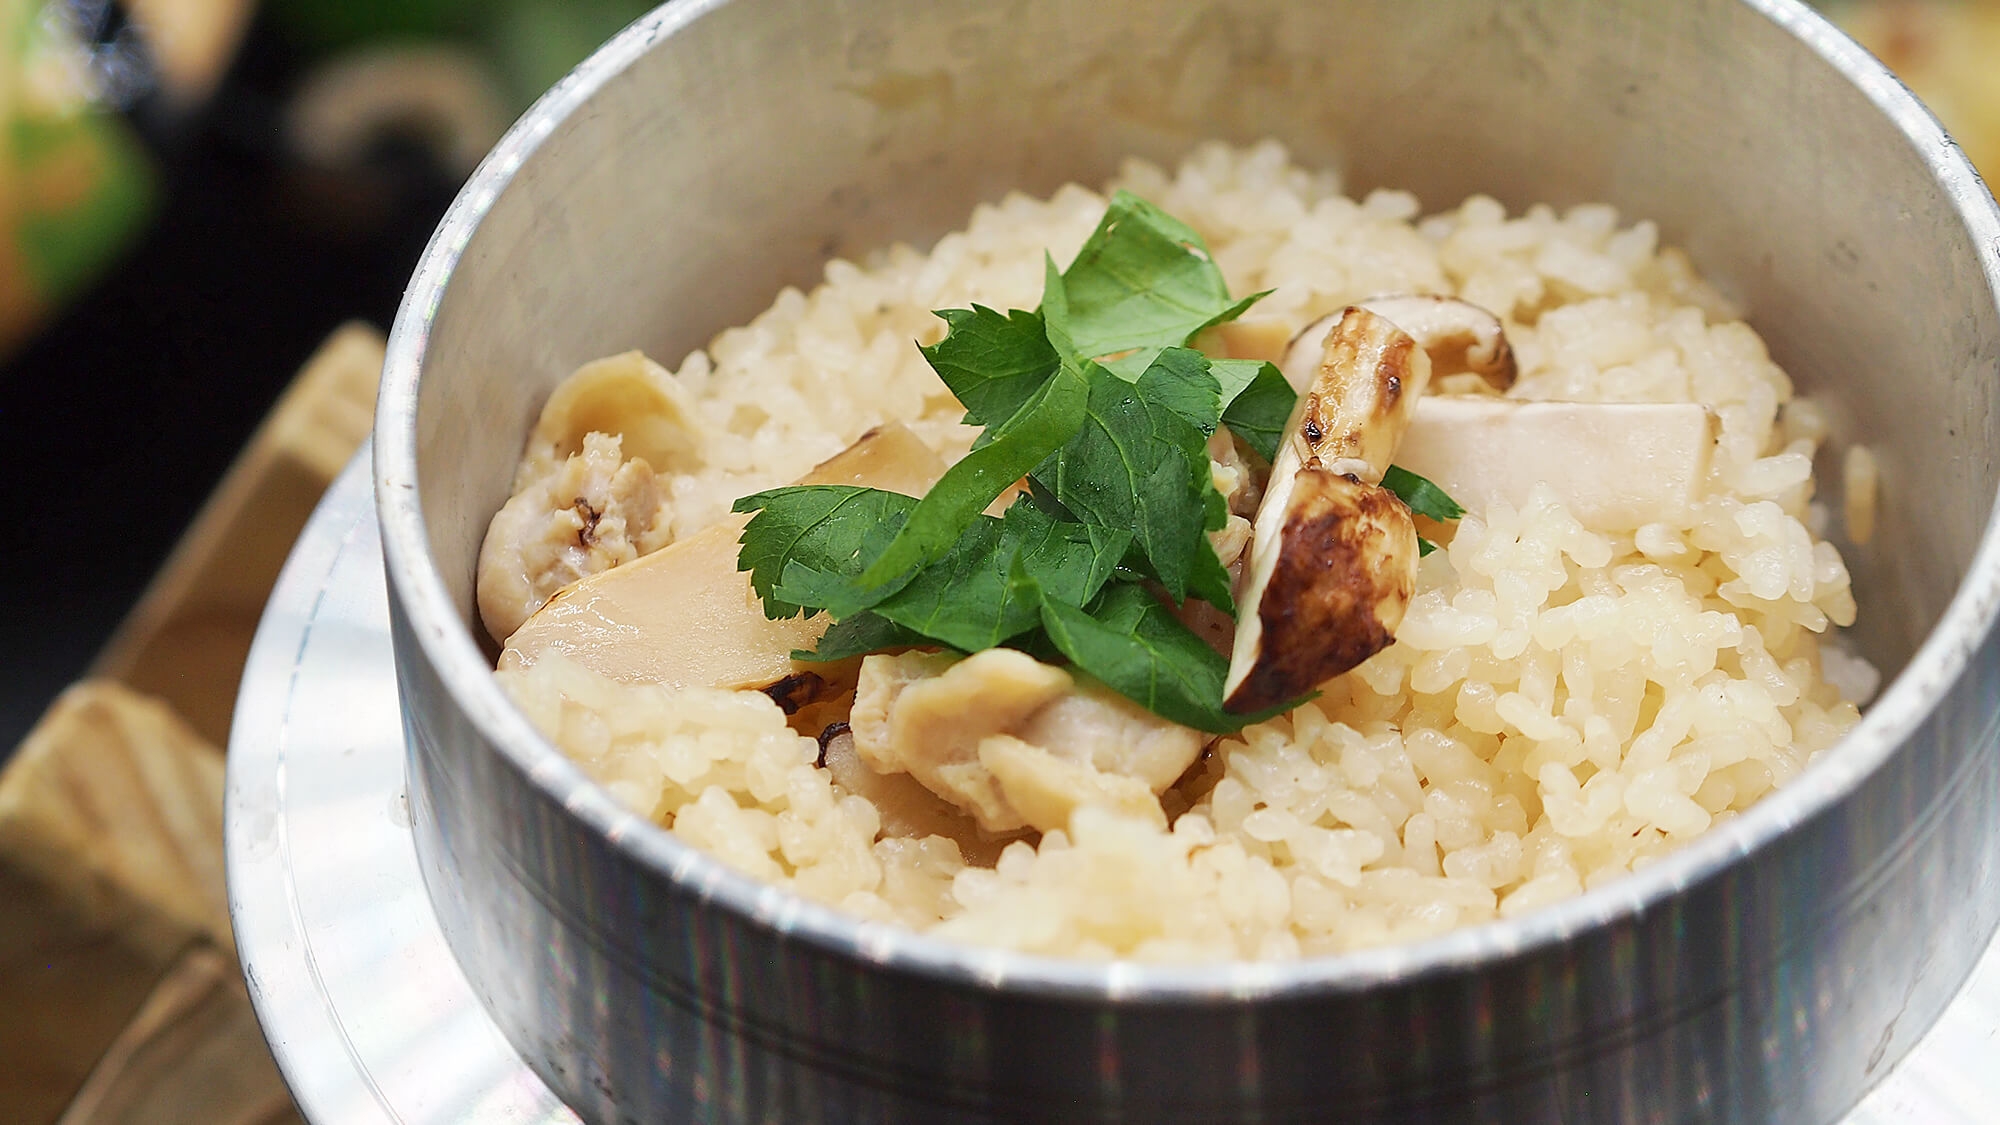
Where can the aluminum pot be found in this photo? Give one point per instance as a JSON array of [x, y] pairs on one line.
[[719, 149]]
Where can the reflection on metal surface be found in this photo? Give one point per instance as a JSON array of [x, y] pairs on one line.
[[367, 1013]]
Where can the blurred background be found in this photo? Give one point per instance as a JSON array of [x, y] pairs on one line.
[[195, 195]]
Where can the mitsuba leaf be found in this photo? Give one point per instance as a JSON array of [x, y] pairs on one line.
[[972, 598], [977, 599], [994, 362], [1181, 380], [1420, 496], [1140, 650], [1066, 560], [1048, 419], [1257, 402], [830, 528], [1142, 281], [860, 635], [1040, 496], [1137, 464]]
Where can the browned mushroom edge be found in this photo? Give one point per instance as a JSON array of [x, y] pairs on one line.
[[1322, 610]]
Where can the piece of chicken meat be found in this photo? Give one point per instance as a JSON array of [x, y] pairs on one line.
[[1014, 742], [595, 511]]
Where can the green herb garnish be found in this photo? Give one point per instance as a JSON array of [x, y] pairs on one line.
[[1099, 402], [1422, 498]]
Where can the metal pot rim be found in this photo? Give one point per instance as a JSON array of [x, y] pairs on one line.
[[445, 642]]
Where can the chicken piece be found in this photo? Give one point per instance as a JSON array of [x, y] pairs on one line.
[[1232, 546], [585, 498], [1012, 741], [1333, 556], [1230, 541], [1113, 735], [628, 396], [907, 809], [1234, 476], [925, 713], [595, 511], [1045, 789]]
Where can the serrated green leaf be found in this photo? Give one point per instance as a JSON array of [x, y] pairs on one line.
[[1420, 496], [1139, 649], [1180, 379], [1257, 402], [994, 362], [1136, 464], [827, 527], [1050, 417], [973, 597], [1142, 281]]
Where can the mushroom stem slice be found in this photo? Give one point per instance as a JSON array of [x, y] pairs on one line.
[[1363, 392], [1333, 555], [1616, 466], [1456, 335], [1326, 595]]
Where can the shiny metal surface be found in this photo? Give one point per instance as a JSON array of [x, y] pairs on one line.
[[1769, 972], [367, 1013], [332, 918]]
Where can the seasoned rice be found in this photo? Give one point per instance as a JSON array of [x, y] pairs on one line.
[[1561, 706]]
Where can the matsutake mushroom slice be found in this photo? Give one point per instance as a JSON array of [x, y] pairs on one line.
[[1333, 555], [684, 615], [1329, 597], [1456, 335], [1616, 466]]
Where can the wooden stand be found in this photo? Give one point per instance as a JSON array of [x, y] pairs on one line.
[[111, 864], [186, 639], [193, 1056], [116, 915]]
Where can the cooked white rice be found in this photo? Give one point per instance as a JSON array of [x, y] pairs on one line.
[[1561, 707]]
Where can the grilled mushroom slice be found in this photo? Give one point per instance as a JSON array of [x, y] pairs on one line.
[[1456, 335], [1333, 555], [684, 615]]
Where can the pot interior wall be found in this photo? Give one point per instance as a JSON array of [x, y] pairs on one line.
[[765, 137]]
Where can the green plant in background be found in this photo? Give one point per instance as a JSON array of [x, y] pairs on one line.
[[334, 25], [536, 42], [75, 185], [528, 44]]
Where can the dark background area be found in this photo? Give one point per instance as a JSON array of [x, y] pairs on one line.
[[122, 413]]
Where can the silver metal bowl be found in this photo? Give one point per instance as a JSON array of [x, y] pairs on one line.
[[722, 148]]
